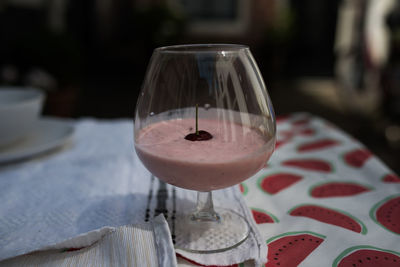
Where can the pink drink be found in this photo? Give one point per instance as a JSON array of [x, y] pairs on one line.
[[233, 154]]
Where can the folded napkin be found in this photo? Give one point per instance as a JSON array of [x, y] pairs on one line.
[[97, 181], [145, 244]]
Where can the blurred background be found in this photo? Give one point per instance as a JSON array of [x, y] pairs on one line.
[[336, 59]]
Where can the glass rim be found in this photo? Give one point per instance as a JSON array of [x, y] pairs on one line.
[[201, 48]]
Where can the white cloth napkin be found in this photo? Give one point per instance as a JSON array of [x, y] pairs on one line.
[[94, 182], [144, 244]]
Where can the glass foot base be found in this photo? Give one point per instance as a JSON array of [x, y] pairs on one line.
[[227, 231]]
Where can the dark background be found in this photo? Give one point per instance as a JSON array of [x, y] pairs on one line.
[[90, 56]]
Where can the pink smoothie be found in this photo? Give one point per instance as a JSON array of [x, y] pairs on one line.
[[233, 154]]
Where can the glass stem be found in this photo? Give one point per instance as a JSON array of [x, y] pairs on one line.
[[197, 119], [205, 208]]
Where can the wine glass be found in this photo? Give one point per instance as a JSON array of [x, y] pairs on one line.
[[204, 121]]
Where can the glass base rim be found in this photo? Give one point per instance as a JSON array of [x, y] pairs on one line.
[[230, 232]]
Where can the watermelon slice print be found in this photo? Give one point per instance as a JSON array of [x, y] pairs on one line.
[[309, 164], [292, 133], [357, 158], [307, 132], [290, 249], [386, 213], [338, 189], [317, 145], [391, 178], [243, 188], [279, 143], [367, 256], [275, 183], [330, 216], [281, 118], [301, 122], [261, 216]]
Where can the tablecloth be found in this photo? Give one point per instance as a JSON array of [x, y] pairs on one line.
[[323, 199]]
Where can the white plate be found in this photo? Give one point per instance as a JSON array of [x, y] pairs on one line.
[[49, 134]]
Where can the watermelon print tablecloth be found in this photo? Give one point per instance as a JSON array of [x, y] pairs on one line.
[[324, 200]]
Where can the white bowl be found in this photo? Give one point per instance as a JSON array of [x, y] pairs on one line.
[[19, 111]]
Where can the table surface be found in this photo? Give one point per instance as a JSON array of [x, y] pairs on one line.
[[322, 199]]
